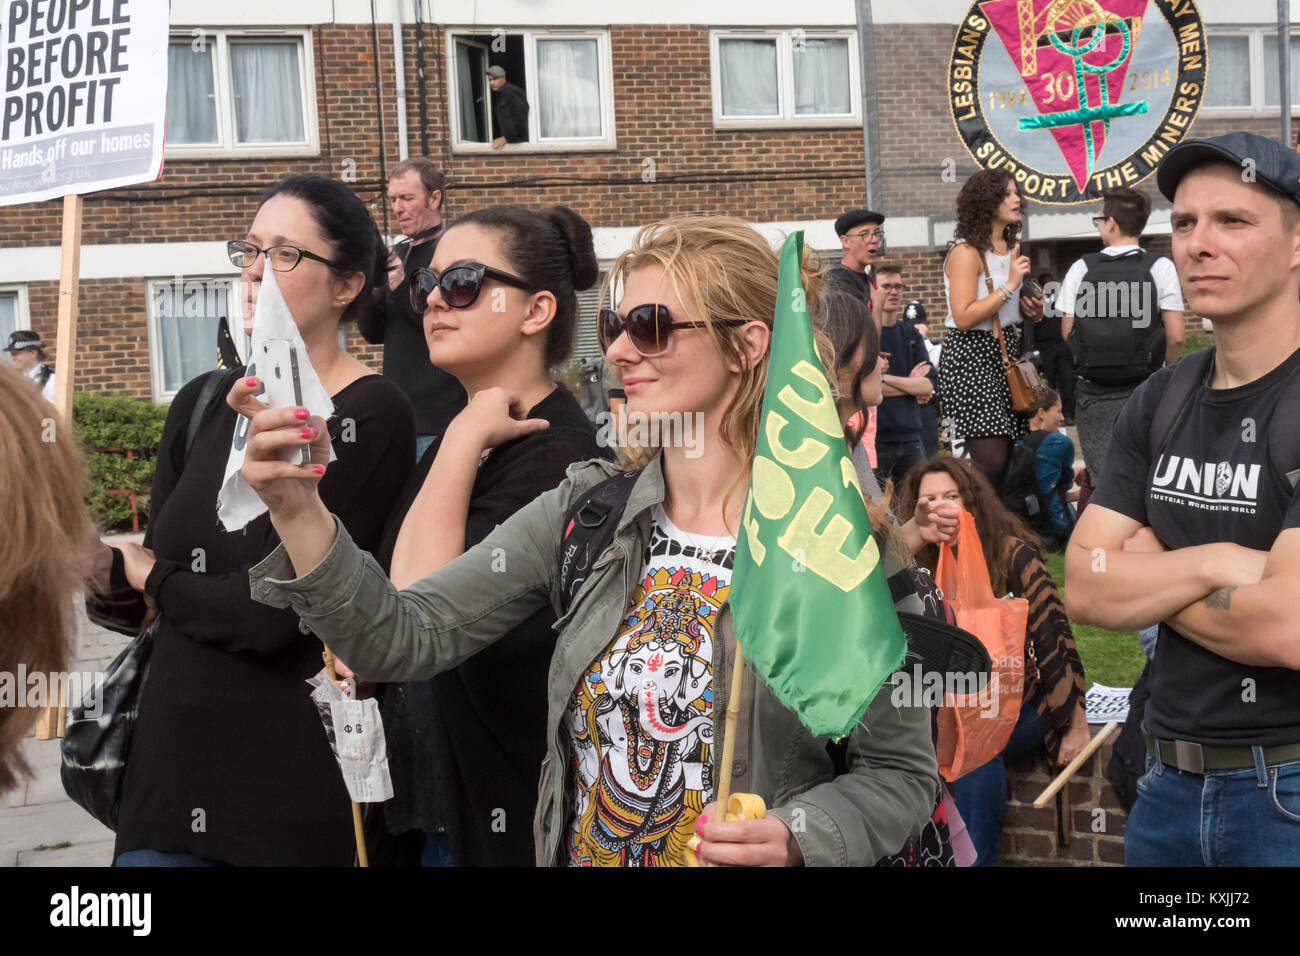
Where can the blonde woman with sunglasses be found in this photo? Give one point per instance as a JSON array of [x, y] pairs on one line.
[[634, 722]]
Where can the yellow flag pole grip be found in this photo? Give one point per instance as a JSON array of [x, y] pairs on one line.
[[739, 806]]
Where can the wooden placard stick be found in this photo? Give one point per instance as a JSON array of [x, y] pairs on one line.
[[51, 721], [362, 859], [69, 278], [1072, 767]]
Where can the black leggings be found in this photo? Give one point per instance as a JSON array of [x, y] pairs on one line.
[[990, 455]]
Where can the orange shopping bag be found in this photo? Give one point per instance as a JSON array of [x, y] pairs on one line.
[[976, 723]]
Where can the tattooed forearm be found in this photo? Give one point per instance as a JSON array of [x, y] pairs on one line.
[[1221, 599]]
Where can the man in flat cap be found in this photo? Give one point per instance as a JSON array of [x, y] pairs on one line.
[[27, 352], [1195, 523], [862, 234], [509, 109]]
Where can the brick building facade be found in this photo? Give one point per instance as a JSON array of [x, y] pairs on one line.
[[665, 146]]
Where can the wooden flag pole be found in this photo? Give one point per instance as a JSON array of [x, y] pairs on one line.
[[328, 656], [1072, 767], [722, 793], [740, 806], [50, 723]]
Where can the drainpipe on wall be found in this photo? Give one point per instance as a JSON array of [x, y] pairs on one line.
[[870, 128], [399, 67]]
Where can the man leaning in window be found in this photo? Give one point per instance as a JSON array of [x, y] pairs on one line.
[[509, 109]]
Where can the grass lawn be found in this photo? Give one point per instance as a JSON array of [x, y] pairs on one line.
[[1109, 657]]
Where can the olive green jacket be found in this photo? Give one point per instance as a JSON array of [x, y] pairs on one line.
[[347, 600]]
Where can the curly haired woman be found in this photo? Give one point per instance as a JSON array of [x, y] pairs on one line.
[[981, 281]]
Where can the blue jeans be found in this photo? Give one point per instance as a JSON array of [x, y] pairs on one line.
[[162, 858], [422, 443], [437, 850], [895, 458], [981, 795], [1218, 818]]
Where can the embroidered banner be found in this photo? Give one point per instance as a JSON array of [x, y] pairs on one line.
[[1076, 96]]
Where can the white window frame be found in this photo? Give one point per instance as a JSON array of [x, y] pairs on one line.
[[223, 88], [536, 144], [787, 118], [161, 395], [1256, 37], [22, 314]]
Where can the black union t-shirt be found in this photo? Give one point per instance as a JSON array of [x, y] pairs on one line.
[[1211, 484]]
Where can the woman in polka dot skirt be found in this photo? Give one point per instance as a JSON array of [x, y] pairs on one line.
[[981, 281]]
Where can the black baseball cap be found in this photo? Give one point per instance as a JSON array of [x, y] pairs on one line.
[[1274, 164], [856, 217]]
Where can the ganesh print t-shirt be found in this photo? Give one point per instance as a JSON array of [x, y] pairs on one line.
[[641, 717]]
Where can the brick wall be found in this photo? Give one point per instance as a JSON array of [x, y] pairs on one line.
[[1029, 835], [663, 112]]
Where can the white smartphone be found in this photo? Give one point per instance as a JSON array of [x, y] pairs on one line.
[[277, 366]]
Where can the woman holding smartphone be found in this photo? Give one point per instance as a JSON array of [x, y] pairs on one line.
[[229, 763], [637, 680], [982, 282], [500, 311]]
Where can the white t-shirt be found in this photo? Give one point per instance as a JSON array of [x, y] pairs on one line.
[[999, 270], [1169, 293], [47, 392], [641, 718]]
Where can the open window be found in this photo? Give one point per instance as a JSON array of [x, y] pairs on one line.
[[565, 77]]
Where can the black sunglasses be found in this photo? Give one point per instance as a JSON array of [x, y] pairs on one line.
[[649, 328], [460, 285]]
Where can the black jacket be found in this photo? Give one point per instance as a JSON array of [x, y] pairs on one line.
[[510, 113]]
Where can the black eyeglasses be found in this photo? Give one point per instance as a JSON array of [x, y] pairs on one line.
[[1098, 220], [282, 258], [649, 328], [460, 285], [868, 235]]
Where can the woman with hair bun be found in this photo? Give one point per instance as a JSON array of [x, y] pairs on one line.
[[500, 312], [229, 763]]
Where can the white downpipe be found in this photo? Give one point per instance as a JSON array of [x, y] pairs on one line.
[[399, 67]]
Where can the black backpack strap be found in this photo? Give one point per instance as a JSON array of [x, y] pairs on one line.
[[206, 394], [589, 529], [1283, 436], [1183, 387]]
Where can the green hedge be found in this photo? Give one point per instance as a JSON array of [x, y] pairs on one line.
[[128, 423]]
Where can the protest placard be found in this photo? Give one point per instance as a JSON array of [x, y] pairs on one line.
[[84, 97]]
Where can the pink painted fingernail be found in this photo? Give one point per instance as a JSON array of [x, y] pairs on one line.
[[301, 414], [319, 469], [307, 433], [251, 382], [700, 822]]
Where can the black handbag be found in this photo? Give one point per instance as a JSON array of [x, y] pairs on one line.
[[98, 734], [97, 737]]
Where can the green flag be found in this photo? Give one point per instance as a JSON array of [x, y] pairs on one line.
[[811, 606]]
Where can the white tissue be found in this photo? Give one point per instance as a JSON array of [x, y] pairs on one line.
[[237, 502]]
